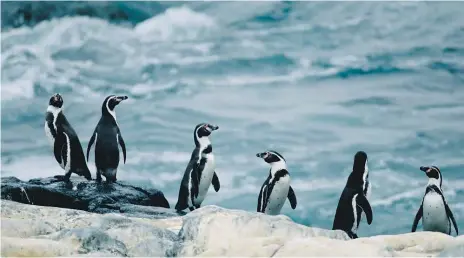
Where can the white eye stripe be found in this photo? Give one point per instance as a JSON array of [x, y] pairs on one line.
[[112, 112]]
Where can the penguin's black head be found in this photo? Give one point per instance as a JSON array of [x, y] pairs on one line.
[[56, 100], [271, 156], [111, 102], [360, 162], [432, 172], [203, 130]]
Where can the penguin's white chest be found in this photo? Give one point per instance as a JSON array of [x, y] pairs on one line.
[[206, 177], [278, 196], [434, 216]]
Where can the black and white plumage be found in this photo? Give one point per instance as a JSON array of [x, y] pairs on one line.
[[367, 186], [63, 139], [107, 137], [276, 189], [200, 172], [353, 201], [434, 210]]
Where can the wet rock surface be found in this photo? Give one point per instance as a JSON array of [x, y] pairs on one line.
[[88, 196]]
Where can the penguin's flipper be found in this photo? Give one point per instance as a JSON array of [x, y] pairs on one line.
[[85, 172], [352, 235], [268, 192], [364, 204], [182, 200], [195, 181], [291, 197], [215, 182], [91, 141], [197, 168], [123, 146], [262, 198], [451, 216], [417, 218], [65, 154], [265, 198], [49, 120], [259, 200], [58, 146]]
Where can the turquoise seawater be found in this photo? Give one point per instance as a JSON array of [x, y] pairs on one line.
[[316, 81]]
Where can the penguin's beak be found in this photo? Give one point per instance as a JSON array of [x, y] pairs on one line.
[[261, 155], [211, 128], [56, 97], [121, 98], [425, 169]]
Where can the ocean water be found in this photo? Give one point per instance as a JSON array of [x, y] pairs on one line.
[[316, 81]]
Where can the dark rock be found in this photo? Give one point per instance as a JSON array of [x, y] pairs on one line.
[[29, 13], [139, 211], [88, 196]]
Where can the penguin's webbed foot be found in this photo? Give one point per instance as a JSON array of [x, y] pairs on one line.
[[99, 178], [352, 235], [57, 178], [191, 208], [60, 178], [65, 179], [110, 180]]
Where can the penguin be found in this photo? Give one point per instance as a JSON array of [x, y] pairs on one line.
[[200, 172], [276, 189], [353, 200], [66, 145], [107, 136], [434, 210]]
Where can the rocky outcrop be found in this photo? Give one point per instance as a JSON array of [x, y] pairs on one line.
[[29, 13], [88, 196], [214, 231], [29, 230]]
